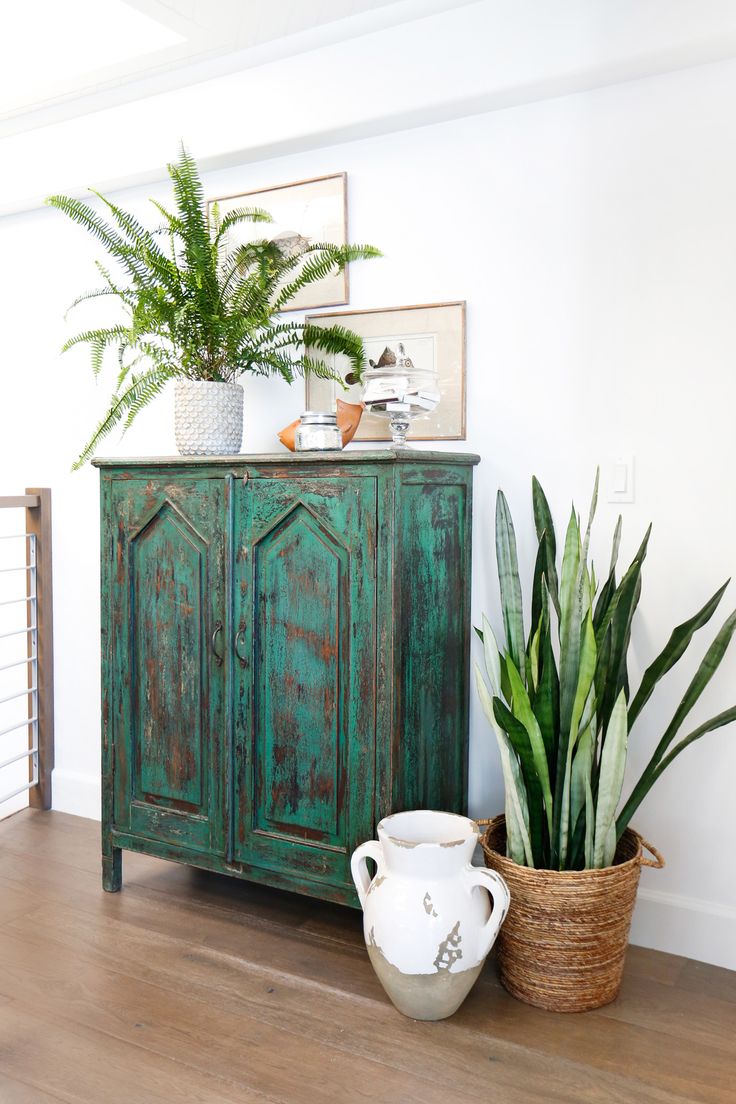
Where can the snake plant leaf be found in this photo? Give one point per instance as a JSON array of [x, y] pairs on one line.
[[708, 667], [546, 535], [523, 712], [581, 798], [610, 781], [582, 765], [672, 652], [492, 656], [533, 659], [591, 515], [568, 740], [542, 514], [721, 719], [518, 840], [538, 581], [616, 545], [521, 743], [569, 578], [547, 697], [659, 759], [588, 576], [576, 857], [516, 810], [508, 577], [633, 569], [648, 778], [570, 620], [618, 619]]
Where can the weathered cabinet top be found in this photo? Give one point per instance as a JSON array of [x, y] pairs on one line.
[[356, 456]]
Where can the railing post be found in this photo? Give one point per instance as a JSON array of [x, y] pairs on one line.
[[38, 523]]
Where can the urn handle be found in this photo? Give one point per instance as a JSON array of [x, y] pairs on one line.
[[371, 849], [500, 896]]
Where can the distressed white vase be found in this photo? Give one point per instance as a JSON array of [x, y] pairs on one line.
[[427, 916], [208, 418]]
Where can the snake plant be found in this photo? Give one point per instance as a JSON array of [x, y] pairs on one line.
[[196, 307], [559, 701]]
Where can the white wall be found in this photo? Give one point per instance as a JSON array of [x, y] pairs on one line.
[[594, 239]]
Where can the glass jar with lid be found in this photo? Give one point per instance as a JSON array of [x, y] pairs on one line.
[[318, 431]]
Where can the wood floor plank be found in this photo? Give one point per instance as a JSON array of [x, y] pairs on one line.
[[210, 986], [700, 977], [81, 1065], [700, 1018], [19, 1092], [456, 1063], [697, 1072], [200, 1034], [358, 1024]]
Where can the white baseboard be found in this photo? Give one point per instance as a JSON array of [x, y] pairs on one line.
[[80, 794], [690, 926]]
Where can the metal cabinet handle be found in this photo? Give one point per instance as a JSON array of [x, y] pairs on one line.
[[239, 638], [217, 630]]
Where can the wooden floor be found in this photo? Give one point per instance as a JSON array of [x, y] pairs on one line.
[[193, 987]]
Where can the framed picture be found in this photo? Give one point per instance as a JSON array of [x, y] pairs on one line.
[[433, 336], [307, 211]]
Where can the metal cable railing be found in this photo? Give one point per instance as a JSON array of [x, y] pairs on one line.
[[27, 641]]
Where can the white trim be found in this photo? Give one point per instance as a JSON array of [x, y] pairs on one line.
[[79, 794], [689, 926]]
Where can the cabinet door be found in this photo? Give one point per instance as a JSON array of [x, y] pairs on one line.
[[304, 735], [168, 608]]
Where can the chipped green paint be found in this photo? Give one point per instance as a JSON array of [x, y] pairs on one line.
[[285, 657]]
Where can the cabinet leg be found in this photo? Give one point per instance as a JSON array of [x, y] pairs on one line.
[[112, 871]]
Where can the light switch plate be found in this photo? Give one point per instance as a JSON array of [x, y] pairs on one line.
[[620, 478]]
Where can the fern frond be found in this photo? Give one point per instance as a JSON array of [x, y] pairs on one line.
[[325, 260], [240, 214], [141, 390], [95, 293], [337, 339], [85, 216], [194, 308], [312, 367]]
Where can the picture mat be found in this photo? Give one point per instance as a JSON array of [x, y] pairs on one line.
[[436, 331], [314, 209]]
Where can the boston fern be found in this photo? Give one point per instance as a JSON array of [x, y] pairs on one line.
[[559, 701], [196, 309]]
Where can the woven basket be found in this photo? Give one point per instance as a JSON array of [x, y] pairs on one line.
[[564, 941]]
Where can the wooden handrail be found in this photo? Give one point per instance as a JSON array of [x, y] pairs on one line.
[[15, 502]]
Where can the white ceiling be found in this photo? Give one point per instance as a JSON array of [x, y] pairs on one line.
[[55, 54], [246, 80]]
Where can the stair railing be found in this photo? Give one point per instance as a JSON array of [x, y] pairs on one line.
[[27, 641]]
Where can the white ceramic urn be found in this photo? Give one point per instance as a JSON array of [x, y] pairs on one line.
[[427, 916]]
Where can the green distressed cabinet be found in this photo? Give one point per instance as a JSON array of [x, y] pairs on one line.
[[285, 649]]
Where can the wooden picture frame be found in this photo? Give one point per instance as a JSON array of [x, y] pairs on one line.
[[315, 208], [430, 329]]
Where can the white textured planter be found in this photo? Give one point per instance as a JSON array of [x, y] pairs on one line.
[[427, 920], [208, 418]]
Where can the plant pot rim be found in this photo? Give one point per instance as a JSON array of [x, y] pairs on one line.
[[206, 383], [631, 836]]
